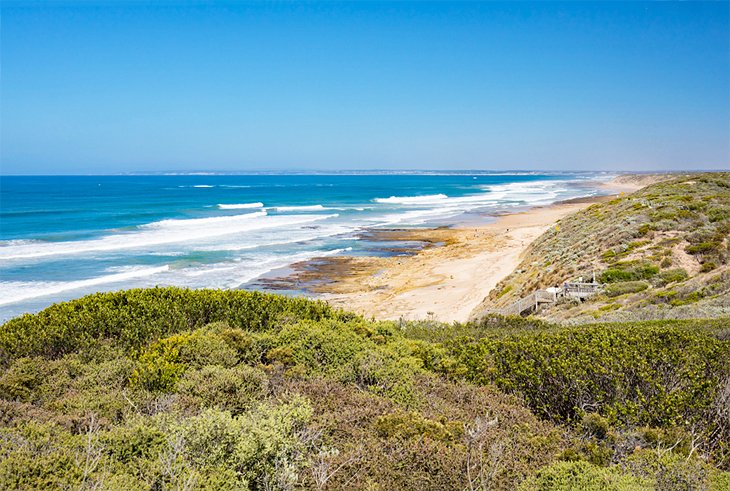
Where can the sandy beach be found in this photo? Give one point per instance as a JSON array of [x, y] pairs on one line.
[[447, 278]]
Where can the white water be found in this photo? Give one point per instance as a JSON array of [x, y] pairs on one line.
[[241, 206], [161, 233]]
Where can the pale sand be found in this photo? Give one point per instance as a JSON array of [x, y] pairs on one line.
[[445, 282]]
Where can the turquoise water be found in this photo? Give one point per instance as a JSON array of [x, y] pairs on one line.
[[65, 236]]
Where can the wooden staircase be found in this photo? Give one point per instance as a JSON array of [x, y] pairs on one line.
[[538, 298], [531, 302]]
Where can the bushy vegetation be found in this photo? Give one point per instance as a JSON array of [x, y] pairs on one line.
[[671, 276], [293, 394], [133, 318], [629, 271], [567, 476], [618, 289], [655, 374]]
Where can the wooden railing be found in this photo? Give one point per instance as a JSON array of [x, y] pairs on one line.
[[530, 302], [581, 290], [533, 301]]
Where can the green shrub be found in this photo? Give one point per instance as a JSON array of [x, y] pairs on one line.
[[414, 425], [504, 291], [234, 389], [257, 446], [671, 276], [324, 347], [140, 439], [616, 275], [720, 481], [384, 374], [670, 471], [628, 271], [34, 462], [655, 373], [617, 289], [702, 248], [133, 318], [571, 476], [20, 381], [594, 425], [608, 255], [161, 364], [226, 406]]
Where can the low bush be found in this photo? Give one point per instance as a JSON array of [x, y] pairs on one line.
[[259, 447], [414, 425], [21, 380], [344, 403], [617, 289], [670, 276], [671, 471], [570, 476], [702, 248], [629, 271], [162, 363], [652, 374], [233, 389], [385, 374]]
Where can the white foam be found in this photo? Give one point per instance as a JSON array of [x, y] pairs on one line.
[[515, 190], [300, 208], [203, 186], [421, 209], [429, 198], [195, 230], [261, 240], [416, 217], [222, 275], [234, 274], [16, 291], [240, 206], [18, 242]]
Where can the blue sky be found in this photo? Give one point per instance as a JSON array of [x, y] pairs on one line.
[[114, 87]]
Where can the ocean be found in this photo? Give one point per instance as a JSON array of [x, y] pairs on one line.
[[62, 237]]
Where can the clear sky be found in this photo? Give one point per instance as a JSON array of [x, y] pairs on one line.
[[114, 87]]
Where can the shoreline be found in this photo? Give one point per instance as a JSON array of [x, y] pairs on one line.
[[443, 280]]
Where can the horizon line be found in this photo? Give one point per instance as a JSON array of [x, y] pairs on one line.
[[368, 172]]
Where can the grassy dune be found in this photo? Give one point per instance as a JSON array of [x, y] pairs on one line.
[[663, 251]]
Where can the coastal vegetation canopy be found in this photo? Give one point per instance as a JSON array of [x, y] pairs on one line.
[[170, 388]]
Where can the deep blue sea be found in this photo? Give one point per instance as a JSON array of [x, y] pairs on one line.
[[65, 236]]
